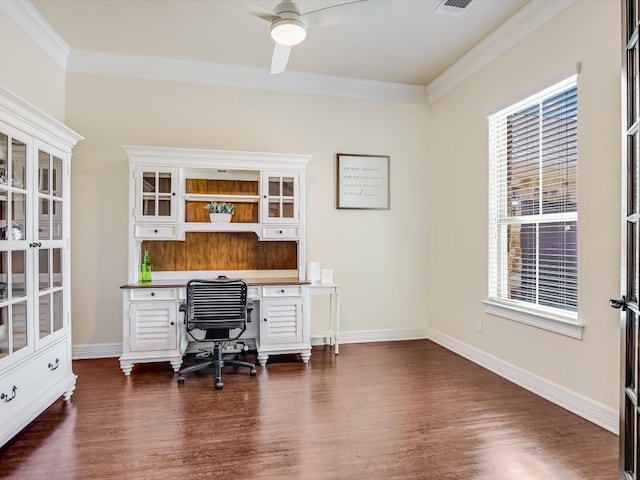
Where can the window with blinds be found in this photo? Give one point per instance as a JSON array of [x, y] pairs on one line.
[[533, 204]]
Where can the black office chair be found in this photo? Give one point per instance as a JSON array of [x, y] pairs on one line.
[[216, 307]]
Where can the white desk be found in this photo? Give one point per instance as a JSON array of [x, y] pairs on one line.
[[154, 331], [332, 332]]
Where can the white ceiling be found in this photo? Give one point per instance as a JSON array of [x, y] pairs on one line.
[[410, 45]]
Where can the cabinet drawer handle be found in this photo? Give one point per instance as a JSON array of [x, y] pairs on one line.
[[282, 291], [6, 397], [280, 232], [53, 367], [155, 230], [265, 320], [172, 323], [153, 294]]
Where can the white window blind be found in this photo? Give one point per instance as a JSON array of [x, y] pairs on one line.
[[533, 204]]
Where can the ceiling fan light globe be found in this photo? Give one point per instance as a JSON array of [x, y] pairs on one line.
[[288, 31]]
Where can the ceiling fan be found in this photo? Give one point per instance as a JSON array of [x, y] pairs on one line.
[[289, 25]]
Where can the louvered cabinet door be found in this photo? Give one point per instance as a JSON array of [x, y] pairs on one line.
[[152, 327], [281, 322]]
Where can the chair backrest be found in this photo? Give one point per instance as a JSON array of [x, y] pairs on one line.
[[216, 304]]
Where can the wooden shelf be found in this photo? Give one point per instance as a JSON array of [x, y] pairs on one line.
[[220, 227]]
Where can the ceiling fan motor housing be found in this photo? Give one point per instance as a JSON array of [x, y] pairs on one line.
[[287, 28]]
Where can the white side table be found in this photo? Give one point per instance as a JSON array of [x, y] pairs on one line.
[[333, 329]]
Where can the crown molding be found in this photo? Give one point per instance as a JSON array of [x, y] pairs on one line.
[[31, 21], [33, 121], [192, 71], [531, 17], [528, 19]]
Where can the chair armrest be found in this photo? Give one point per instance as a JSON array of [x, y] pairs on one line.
[[183, 308], [249, 310]]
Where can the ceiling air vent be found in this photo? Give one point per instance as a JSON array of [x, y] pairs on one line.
[[452, 7]]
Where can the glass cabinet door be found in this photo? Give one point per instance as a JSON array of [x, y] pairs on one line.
[[50, 243], [15, 337], [50, 197], [281, 197], [156, 194]]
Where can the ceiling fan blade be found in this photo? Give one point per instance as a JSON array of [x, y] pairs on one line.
[[257, 10], [280, 58], [347, 12]]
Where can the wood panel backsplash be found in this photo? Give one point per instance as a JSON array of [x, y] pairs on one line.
[[220, 251], [245, 212], [221, 187]]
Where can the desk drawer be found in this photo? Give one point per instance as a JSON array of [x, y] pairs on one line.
[[253, 292], [23, 387], [156, 231], [280, 233], [282, 291], [152, 294]]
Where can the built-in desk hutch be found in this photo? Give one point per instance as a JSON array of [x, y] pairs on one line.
[[263, 244]]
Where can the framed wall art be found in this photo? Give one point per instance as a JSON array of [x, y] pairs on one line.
[[362, 181]]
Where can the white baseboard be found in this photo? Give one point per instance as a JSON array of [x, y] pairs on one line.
[[387, 335], [110, 350], [596, 412], [97, 350]]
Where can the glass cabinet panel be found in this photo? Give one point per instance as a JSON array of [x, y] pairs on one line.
[[13, 207], [281, 198], [18, 273], [17, 173], [18, 215], [4, 156], [156, 190], [57, 267], [156, 199], [50, 314], [4, 331], [43, 272], [44, 312], [50, 306], [149, 191], [50, 193], [13, 303], [56, 179], [57, 318], [19, 336]]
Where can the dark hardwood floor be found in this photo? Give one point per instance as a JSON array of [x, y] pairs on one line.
[[396, 410]]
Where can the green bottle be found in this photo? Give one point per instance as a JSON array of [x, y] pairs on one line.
[[145, 268]]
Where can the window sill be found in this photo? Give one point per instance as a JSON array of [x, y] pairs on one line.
[[546, 321]]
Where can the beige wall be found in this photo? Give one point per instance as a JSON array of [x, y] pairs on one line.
[[589, 32], [377, 256], [29, 72], [421, 263]]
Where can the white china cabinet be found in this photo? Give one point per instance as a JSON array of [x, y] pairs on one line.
[[35, 317]]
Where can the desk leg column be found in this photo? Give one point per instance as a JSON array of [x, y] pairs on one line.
[[337, 323], [176, 363], [262, 359]]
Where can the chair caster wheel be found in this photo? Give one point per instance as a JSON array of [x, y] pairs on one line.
[[180, 380], [253, 372], [219, 385]]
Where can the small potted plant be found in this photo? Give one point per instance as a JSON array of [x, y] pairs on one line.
[[220, 212]]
